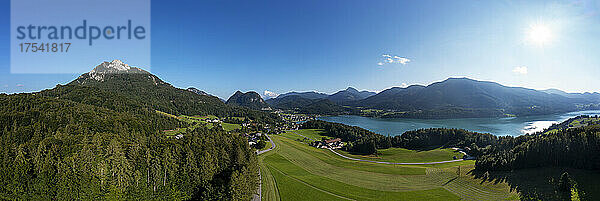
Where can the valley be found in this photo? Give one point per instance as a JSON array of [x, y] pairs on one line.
[[237, 100], [295, 167], [133, 135]]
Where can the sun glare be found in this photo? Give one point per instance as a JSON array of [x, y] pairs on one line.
[[539, 34]]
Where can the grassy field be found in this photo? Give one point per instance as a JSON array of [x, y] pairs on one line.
[[195, 122], [230, 127], [296, 171], [583, 122], [205, 117], [311, 134], [400, 155], [577, 123]]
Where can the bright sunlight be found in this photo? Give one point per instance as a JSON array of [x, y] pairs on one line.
[[539, 34]]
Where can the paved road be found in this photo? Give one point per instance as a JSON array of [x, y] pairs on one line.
[[258, 195], [383, 162], [269, 149]]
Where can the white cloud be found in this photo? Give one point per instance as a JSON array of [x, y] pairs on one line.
[[402, 60], [389, 59], [270, 94], [20, 85], [522, 70]]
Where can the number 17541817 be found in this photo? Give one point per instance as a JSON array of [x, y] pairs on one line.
[[44, 47]]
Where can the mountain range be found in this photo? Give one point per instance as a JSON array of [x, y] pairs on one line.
[[341, 97], [116, 84], [587, 96], [465, 93], [453, 97]]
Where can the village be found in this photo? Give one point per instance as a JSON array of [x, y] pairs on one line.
[[255, 132]]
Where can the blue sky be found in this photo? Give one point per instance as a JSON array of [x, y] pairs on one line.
[[280, 46]]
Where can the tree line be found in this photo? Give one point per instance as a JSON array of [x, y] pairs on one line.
[[363, 141], [572, 147]]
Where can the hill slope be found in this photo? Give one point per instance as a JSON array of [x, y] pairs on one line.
[[140, 86], [249, 99], [101, 137]]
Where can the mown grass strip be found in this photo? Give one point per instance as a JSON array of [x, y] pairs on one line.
[[349, 190]]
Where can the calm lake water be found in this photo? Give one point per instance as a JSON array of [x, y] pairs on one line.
[[498, 126]]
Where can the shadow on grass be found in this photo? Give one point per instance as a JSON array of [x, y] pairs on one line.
[[542, 183]]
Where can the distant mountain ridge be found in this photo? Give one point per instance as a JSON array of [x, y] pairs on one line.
[[587, 96], [453, 97], [319, 103], [465, 93], [341, 97], [349, 95], [308, 95]]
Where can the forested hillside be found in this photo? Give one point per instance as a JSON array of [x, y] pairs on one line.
[[101, 138], [143, 87], [249, 99], [54, 149], [573, 147]]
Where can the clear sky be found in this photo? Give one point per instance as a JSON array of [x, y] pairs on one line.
[[327, 45]]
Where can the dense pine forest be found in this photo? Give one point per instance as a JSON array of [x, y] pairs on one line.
[[103, 139], [574, 148], [56, 149]]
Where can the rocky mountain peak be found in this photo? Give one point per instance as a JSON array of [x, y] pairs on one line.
[[114, 67]]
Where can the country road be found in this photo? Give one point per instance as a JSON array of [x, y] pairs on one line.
[[258, 195], [269, 149]]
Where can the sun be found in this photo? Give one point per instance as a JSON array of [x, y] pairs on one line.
[[539, 34]]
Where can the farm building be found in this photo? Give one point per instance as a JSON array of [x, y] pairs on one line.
[[332, 143]]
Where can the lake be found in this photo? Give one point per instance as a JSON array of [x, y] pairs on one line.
[[498, 126]]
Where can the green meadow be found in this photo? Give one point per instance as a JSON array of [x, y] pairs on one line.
[[400, 155], [230, 127], [296, 171], [195, 122]]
